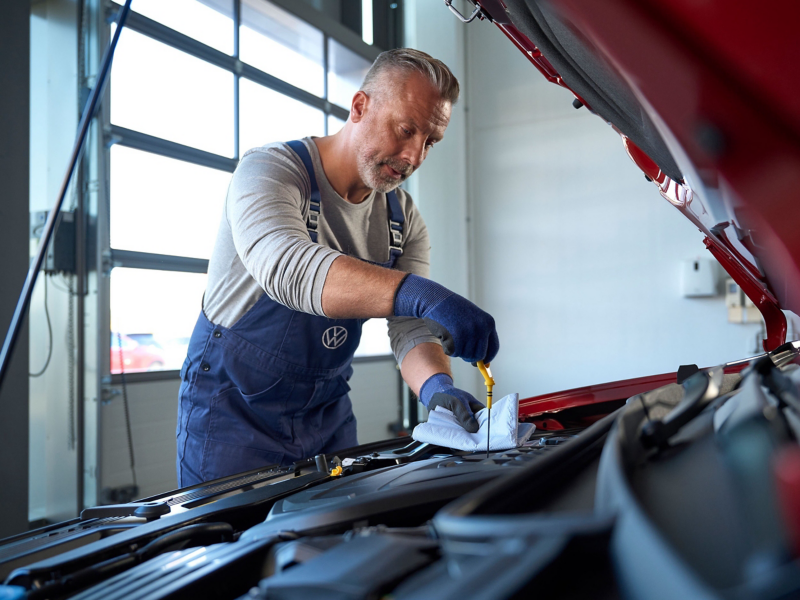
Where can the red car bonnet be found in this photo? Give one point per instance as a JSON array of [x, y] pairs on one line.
[[715, 125]]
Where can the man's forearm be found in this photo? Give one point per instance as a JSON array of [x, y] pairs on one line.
[[421, 362], [355, 289]]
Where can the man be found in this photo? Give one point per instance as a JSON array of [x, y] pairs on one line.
[[314, 240]]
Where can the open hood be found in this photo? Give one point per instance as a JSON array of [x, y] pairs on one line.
[[703, 96]]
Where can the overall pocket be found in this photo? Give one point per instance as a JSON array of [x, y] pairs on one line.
[[252, 420], [245, 430], [324, 417]]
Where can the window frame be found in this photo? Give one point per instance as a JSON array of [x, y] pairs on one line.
[[113, 134]]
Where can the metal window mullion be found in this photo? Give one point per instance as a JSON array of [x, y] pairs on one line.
[[131, 259], [162, 147], [162, 33], [237, 22], [339, 112], [102, 240], [184, 43], [278, 85]]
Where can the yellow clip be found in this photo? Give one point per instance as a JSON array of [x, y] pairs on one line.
[[487, 376], [336, 471]]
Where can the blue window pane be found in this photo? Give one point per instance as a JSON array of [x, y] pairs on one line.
[[169, 94], [267, 116], [207, 21], [282, 45], [346, 72], [164, 206], [374, 339], [154, 313], [334, 124]]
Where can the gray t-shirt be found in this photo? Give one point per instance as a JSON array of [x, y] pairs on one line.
[[263, 245]]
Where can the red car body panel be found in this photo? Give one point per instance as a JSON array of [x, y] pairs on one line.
[[547, 405], [134, 357], [741, 268], [592, 394]]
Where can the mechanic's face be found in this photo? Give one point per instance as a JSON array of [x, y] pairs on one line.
[[398, 129]]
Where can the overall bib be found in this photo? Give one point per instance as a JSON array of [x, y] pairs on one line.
[[271, 389]]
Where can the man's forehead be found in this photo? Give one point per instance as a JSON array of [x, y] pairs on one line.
[[417, 100]]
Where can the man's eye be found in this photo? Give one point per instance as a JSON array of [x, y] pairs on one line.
[[406, 131]]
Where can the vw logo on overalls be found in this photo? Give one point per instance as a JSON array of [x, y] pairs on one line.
[[333, 337]]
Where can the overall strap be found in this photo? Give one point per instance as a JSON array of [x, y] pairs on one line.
[[396, 217], [312, 221], [396, 220]]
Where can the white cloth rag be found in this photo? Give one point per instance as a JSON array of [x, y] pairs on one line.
[[507, 432]]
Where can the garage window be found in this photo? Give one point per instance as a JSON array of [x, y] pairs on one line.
[[195, 84]]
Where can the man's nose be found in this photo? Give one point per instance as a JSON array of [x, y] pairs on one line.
[[414, 153]]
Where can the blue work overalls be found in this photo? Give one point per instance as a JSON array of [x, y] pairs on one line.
[[272, 389]]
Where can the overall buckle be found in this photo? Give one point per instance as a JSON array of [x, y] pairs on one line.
[[396, 240], [313, 220]]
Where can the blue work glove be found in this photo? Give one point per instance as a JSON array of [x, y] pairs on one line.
[[438, 390], [464, 329]]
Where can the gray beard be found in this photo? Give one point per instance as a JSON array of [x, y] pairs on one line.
[[379, 182], [371, 175]]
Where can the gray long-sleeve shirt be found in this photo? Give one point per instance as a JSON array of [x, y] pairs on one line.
[[263, 245]]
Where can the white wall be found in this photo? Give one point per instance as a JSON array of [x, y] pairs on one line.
[[375, 394], [153, 410], [439, 188], [573, 252]]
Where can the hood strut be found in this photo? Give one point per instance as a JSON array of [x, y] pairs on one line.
[[754, 289], [738, 267]]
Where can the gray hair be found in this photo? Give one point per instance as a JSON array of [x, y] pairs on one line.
[[408, 61]]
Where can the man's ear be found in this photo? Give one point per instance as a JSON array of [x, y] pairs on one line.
[[358, 107]]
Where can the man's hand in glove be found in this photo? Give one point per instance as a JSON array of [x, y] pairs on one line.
[[464, 329], [438, 390]]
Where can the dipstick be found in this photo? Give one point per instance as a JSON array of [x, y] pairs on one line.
[[489, 380]]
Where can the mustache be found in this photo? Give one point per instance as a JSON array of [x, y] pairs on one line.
[[401, 167]]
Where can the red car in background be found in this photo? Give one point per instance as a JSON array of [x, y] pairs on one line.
[[135, 352]]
